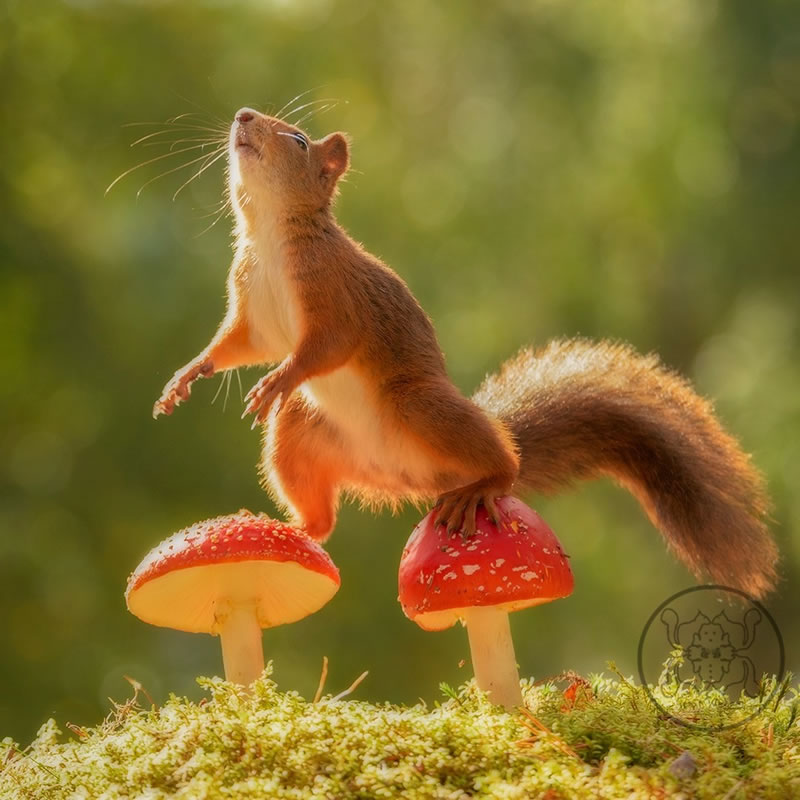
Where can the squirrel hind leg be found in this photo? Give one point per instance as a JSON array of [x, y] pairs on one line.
[[301, 469], [472, 458]]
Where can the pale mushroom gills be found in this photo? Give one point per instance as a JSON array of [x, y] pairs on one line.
[[233, 576]]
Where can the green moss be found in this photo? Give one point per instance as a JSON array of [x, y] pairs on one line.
[[604, 740]]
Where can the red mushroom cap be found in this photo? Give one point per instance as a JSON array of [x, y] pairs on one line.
[[517, 564], [241, 557]]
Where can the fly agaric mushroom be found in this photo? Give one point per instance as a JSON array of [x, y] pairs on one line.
[[480, 580], [233, 576]]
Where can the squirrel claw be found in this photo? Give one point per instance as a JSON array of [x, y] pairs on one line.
[[266, 394], [161, 407], [457, 509], [180, 387]]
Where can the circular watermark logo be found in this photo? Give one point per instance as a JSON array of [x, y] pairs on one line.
[[704, 653]]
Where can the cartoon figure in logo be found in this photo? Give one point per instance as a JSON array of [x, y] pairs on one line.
[[714, 649]]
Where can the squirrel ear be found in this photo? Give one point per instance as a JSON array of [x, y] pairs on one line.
[[335, 157]]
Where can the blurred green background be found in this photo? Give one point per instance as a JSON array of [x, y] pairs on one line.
[[533, 169]]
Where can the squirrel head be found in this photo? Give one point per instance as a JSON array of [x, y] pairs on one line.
[[276, 167]]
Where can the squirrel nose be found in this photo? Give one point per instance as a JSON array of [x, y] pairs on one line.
[[245, 115]]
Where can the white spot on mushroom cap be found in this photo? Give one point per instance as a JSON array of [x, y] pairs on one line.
[[529, 576], [499, 563], [469, 569], [451, 576]]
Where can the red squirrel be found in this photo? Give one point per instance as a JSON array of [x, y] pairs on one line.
[[361, 401]]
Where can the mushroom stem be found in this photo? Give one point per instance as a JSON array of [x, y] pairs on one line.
[[493, 658], [242, 650]]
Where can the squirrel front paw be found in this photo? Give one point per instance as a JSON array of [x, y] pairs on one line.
[[180, 387], [273, 388]]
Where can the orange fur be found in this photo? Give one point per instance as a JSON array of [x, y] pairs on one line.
[[361, 402]]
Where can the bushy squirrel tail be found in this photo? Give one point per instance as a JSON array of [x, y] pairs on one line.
[[579, 410]]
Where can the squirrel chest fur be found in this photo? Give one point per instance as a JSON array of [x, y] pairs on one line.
[[271, 304]]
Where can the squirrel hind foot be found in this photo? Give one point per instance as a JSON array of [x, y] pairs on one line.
[[457, 509], [320, 533]]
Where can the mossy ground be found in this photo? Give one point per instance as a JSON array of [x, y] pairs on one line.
[[601, 738]]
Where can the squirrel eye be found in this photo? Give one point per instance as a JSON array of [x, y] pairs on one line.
[[301, 140]]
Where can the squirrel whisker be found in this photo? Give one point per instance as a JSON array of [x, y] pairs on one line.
[[188, 140], [288, 114], [174, 169], [213, 210], [283, 108], [188, 131], [226, 211], [215, 156], [152, 160], [168, 126], [185, 115], [315, 111], [219, 389], [229, 377], [205, 112]]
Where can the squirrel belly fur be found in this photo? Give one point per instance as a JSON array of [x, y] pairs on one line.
[[361, 402]]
